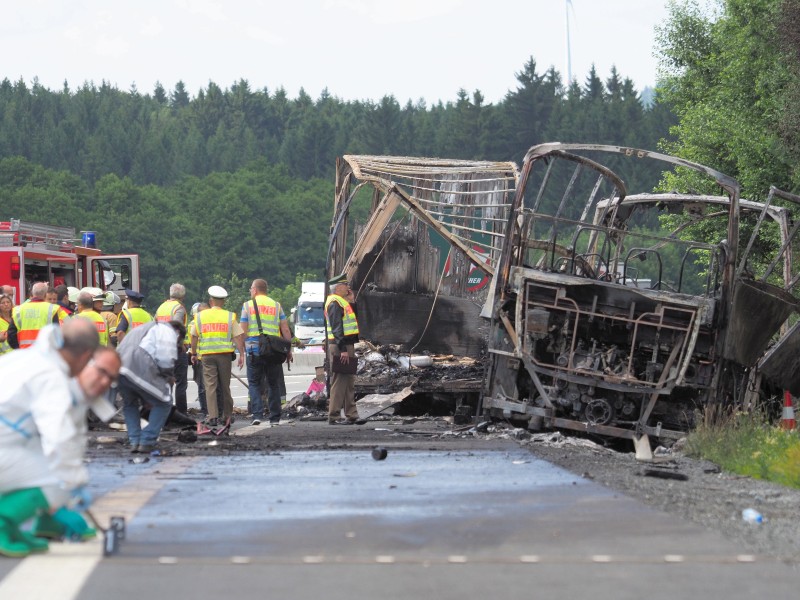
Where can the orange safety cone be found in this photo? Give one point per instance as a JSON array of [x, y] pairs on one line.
[[787, 419]]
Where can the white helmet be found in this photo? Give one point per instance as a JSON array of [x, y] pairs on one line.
[[97, 293], [111, 298]]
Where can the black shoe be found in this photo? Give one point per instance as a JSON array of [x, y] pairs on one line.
[[146, 448], [341, 422], [176, 417]]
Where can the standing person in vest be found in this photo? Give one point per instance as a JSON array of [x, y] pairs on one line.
[[340, 315], [30, 317], [197, 366], [109, 310], [62, 299], [149, 354], [174, 310], [216, 332], [86, 311], [132, 317], [6, 308], [259, 372]]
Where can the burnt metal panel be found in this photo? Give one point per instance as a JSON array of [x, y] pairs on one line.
[[758, 311], [781, 364], [440, 325]]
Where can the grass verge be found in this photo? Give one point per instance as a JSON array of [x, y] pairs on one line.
[[745, 443]]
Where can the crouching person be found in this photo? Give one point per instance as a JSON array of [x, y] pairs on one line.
[[89, 390], [43, 436], [148, 354]]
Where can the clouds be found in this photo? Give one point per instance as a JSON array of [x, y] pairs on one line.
[[111, 46], [153, 27], [357, 49], [388, 13], [213, 11], [261, 34]]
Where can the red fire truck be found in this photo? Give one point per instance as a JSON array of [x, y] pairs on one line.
[[31, 252]]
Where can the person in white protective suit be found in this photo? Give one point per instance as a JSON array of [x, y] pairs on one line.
[[89, 390], [42, 433]]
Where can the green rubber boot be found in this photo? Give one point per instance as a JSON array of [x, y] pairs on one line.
[[8, 546], [47, 526], [15, 508]]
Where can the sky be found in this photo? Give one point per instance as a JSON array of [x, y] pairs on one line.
[[356, 49]]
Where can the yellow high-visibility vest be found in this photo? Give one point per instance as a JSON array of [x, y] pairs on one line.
[[269, 310], [99, 322], [167, 310], [349, 320], [166, 313], [135, 317], [4, 346], [29, 318], [214, 331]]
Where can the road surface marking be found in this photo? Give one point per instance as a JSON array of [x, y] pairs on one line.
[[69, 565]]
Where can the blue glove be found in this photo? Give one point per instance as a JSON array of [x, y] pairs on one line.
[[75, 526], [81, 499]]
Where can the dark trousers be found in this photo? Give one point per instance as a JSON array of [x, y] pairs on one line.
[[181, 381], [260, 375]]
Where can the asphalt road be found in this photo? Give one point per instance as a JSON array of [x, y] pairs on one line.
[[455, 519]]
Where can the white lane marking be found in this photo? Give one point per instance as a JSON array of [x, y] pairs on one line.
[[674, 558], [386, 559], [601, 558], [60, 573], [313, 559], [68, 565], [456, 559]]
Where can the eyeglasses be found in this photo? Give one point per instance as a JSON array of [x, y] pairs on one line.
[[104, 372]]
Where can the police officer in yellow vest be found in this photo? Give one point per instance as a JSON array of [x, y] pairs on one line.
[[28, 318], [259, 372], [86, 310], [133, 316], [216, 332], [174, 310], [342, 325]]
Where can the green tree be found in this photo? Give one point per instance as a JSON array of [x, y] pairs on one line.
[[727, 79]]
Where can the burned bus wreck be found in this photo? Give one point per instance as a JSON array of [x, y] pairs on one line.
[[623, 315], [592, 309]]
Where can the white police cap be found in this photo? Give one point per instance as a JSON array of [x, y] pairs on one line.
[[217, 291]]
